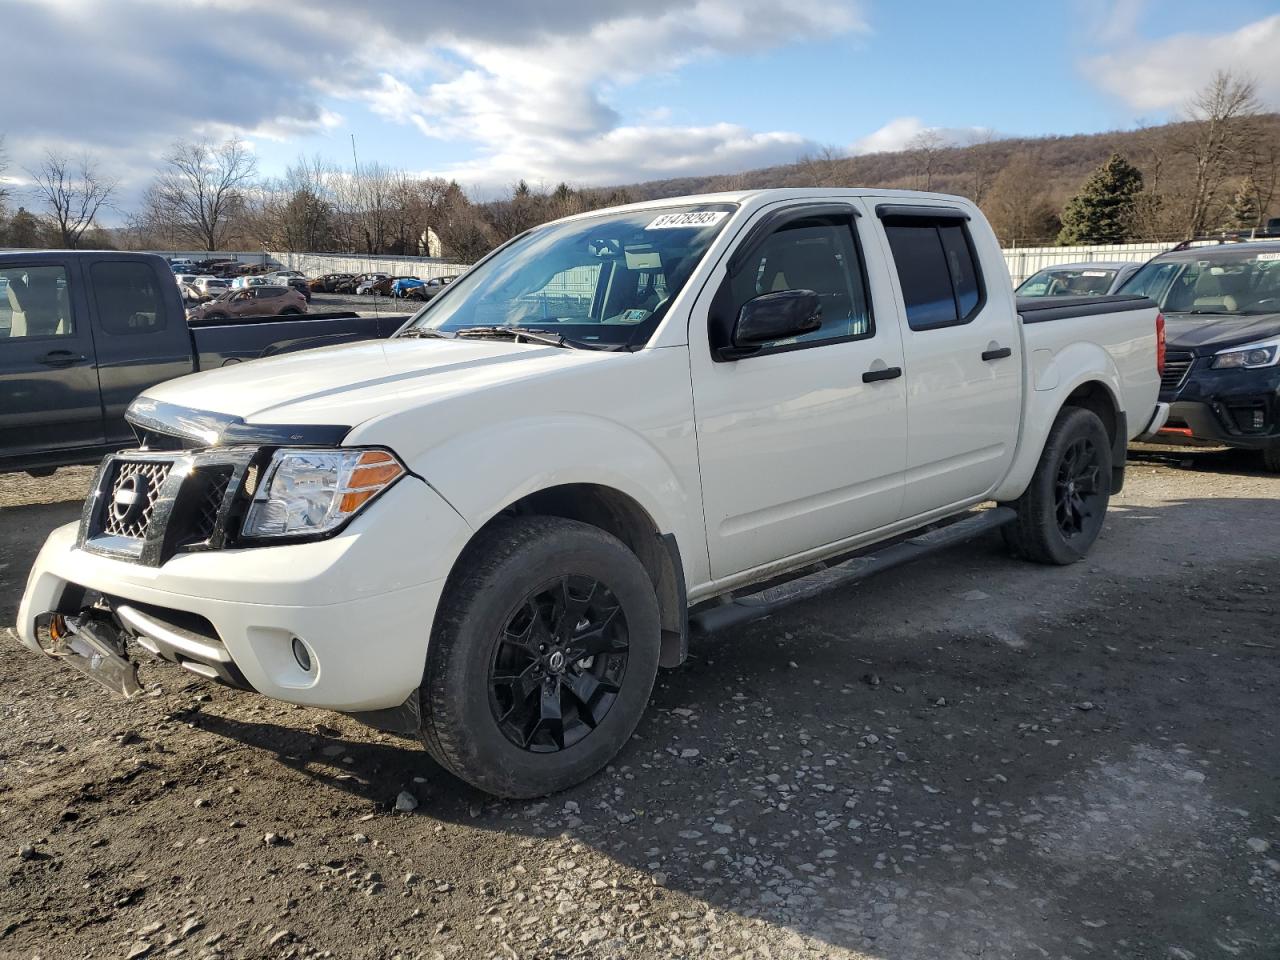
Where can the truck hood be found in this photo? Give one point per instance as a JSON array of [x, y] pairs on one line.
[[351, 384], [1203, 334]]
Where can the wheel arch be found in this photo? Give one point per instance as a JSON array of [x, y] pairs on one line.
[[621, 515], [1094, 390]]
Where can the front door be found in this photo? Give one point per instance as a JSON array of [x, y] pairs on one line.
[[49, 399], [803, 442]]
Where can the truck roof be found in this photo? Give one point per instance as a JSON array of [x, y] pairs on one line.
[[774, 194]]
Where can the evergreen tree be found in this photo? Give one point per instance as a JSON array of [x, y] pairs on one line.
[[1102, 212], [1242, 214]]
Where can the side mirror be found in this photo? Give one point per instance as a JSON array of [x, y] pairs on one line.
[[770, 317]]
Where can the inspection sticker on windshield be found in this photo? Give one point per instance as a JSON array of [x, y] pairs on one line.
[[694, 218], [1267, 257], [1093, 273]]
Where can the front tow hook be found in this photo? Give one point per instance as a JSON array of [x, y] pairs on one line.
[[95, 649]]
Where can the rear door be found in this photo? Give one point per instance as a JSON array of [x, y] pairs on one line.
[[49, 397], [963, 357], [142, 336]]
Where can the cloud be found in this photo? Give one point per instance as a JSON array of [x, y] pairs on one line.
[[1166, 73], [527, 88], [899, 133]]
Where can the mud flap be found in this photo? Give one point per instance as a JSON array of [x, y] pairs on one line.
[[96, 651]]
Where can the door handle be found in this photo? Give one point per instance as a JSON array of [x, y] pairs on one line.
[[61, 358], [887, 373], [997, 354]]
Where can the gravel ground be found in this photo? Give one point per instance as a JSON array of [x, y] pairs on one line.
[[364, 305], [969, 757]]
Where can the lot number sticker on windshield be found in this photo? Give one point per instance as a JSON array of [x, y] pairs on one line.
[[1267, 257], [1093, 273], [695, 218]]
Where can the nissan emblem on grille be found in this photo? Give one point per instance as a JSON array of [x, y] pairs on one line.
[[129, 498], [132, 499]]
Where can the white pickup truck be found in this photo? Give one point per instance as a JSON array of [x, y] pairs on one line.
[[616, 430]]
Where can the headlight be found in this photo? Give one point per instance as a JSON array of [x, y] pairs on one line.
[[310, 492], [1248, 357]]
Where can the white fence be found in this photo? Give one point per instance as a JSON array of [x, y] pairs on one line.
[[318, 264], [1024, 261]]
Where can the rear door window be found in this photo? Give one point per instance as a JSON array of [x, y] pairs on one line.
[[937, 270], [129, 299]]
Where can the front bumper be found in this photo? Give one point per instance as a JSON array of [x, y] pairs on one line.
[[1238, 408], [362, 602]]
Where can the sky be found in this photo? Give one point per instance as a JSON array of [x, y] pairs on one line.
[[595, 93]]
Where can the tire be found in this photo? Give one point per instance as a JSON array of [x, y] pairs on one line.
[[215, 316], [514, 580], [1271, 457], [1063, 508], [290, 312]]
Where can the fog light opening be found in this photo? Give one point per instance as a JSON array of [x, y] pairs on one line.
[[302, 655]]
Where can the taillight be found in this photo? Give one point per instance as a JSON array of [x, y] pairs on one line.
[[1160, 344]]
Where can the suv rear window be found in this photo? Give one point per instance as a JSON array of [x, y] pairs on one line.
[[938, 273]]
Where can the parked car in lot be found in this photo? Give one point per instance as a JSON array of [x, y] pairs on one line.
[[211, 285], [364, 284], [264, 300], [1222, 376], [428, 289], [382, 287], [328, 283], [83, 333], [301, 285], [247, 280], [1093, 279], [690, 401], [402, 285]]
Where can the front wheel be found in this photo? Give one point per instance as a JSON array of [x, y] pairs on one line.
[[542, 659], [1271, 457], [1061, 512]]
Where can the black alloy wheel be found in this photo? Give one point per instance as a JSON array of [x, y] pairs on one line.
[[558, 664], [1077, 488]]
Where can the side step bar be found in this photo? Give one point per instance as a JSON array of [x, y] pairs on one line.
[[765, 602]]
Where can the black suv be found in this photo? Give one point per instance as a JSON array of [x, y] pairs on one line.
[[1222, 314]]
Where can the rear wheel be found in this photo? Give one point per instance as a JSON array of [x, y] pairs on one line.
[[542, 659], [1062, 510], [290, 312]]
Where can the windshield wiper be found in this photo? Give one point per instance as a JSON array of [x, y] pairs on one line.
[[549, 337], [422, 332]]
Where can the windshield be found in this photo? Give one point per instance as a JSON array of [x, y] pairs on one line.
[[605, 280], [1241, 282], [1068, 282]]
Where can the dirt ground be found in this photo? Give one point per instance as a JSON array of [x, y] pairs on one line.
[[969, 757]]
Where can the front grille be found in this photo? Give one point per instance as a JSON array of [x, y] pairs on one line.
[[148, 506], [1176, 367], [135, 490], [210, 489]]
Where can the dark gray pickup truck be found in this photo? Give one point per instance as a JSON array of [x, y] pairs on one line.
[[83, 333]]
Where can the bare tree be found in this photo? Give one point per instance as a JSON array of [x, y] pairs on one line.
[[983, 165], [1017, 207], [1262, 171], [72, 192], [203, 188], [1219, 124], [926, 148], [821, 167], [4, 166]]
